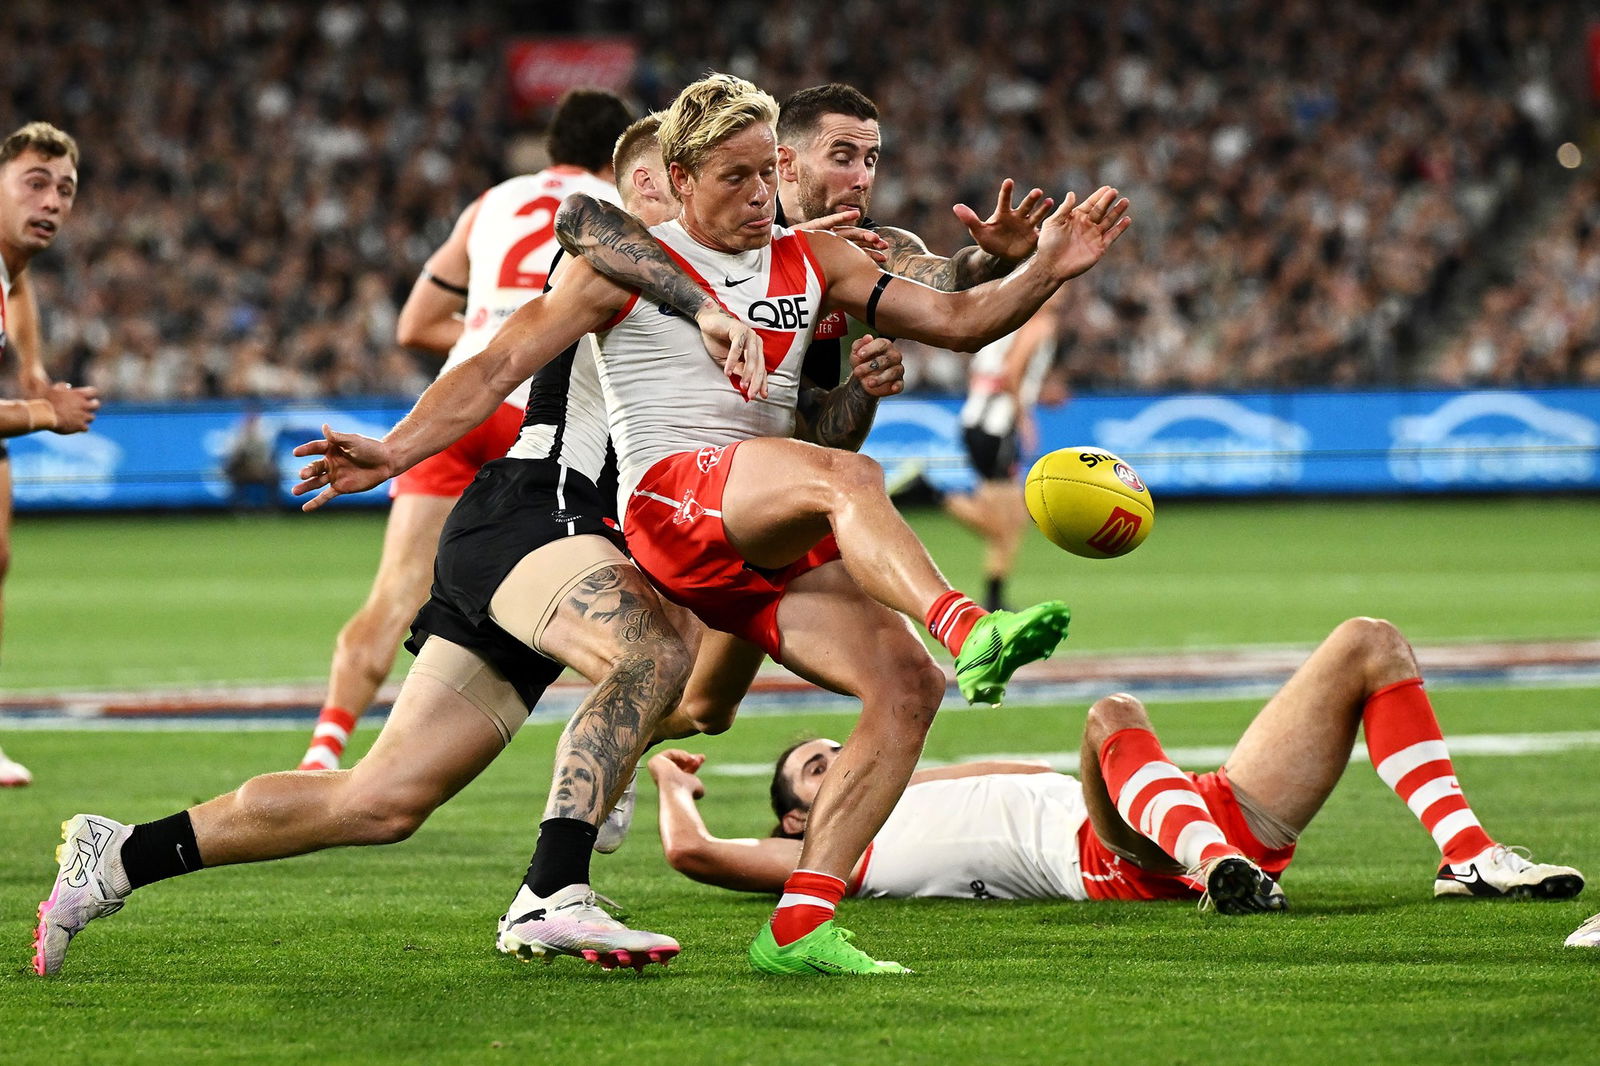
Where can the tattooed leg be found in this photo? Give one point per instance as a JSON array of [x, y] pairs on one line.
[[612, 627]]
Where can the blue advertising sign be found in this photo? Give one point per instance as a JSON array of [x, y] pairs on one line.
[[195, 455]]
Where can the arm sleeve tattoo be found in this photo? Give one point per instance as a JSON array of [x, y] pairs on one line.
[[910, 258], [839, 417], [620, 247]]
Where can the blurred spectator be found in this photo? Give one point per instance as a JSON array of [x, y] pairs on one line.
[[262, 181]]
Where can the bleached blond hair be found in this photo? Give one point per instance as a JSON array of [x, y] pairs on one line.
[[709, 112]]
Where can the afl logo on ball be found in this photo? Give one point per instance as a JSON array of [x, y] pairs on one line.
[[1126, 475]]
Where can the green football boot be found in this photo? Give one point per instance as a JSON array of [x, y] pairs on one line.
[[1001, 641], [826, 950]]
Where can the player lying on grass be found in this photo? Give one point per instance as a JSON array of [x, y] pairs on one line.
[[1137, 827], [527, 578], [793, 547]]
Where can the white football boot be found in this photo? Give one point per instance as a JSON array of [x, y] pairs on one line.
[[1499, 872], [12, 773], [572, 923], [1586, 935], [86, 886], [614, 830]]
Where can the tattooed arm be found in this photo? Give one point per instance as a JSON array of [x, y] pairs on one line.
[[842, 416], [619, 246], [1004, 239]]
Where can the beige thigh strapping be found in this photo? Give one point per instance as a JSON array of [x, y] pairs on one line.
[[530, 595], [483, 686]]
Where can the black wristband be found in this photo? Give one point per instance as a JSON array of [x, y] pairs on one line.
[[872, 301], [458, 290]]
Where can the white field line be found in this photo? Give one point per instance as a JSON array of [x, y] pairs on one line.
[[1498, 744]]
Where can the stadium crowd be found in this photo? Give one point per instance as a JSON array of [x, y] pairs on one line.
[[262, 182]]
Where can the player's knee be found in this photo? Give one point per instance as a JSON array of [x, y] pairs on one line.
[[1377, 648], [1112, 713], [850, 473], [386, 819]]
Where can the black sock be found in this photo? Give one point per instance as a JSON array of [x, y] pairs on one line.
[[561, 857], [158, 850], [997, 594]]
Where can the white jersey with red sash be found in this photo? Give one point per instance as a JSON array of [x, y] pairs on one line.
[[510, 249], [665, 395], [994, 836]]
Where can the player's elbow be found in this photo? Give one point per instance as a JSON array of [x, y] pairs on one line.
[[687, 857]]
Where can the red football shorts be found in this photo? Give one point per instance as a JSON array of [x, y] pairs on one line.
[[673, 525], [452, 470], [1107, 875]]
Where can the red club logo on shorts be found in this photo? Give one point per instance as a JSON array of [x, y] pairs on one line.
[[1126, 475], [688, 510], [706, 458]]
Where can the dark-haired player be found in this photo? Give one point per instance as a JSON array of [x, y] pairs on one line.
[[1136, 827], [38, 186], [495, 260]]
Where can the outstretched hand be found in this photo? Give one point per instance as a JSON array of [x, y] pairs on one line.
[[1075, 237], [877, 366], [1010, 233], [349, 463], [736, 347]]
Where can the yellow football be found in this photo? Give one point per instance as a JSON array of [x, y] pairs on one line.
[[1089, 502]]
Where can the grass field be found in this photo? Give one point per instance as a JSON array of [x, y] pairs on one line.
[[386, 954], [139, 601]]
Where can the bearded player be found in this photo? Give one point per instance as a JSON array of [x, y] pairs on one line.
[[818, 572], [38, 187], [498, 257], [1136, 827]]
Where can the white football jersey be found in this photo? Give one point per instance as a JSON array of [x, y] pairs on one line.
[[665, 395], [510, 250], [990, 406], [996, 836]]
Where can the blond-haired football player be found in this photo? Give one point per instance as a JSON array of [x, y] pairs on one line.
[[790, 546]]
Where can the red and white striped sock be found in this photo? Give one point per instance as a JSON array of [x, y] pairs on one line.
[[1409, 753], [808, 900], [1160, 800], [951, 618], [334, 726]]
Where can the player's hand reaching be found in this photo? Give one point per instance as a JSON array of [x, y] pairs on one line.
[[74, 408], [1075, 237], [877, 366], [349, 463], [840, 225], [1011, 233], [676, 768], [736, 347]]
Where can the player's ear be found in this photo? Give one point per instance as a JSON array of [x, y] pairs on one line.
[[794, 821], [680, 178], [786, 158]]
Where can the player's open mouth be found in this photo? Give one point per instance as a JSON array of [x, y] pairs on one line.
[[43, 227]]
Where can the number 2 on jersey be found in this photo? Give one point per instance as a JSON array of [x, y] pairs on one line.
[[512, 274]]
